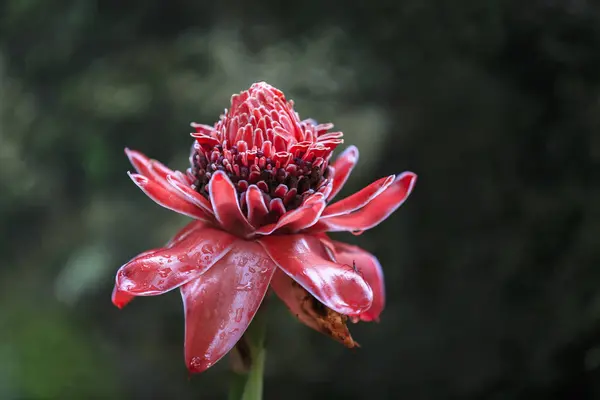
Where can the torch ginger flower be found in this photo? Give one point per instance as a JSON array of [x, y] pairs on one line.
[[259, 190]]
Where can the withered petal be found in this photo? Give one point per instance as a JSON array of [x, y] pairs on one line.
[[310, 311]]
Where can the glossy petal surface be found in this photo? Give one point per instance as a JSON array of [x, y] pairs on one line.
[[343, 166], [368, 266], [152, 169], [226, 206], [140, 162], [221, 303], [166, 198], [305, 260], [303, 217], [191, 195], [257, 208], [120, 298], [374, 212], [358, 199], [168, 268]]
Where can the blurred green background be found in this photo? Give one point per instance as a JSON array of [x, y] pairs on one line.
[[492, 264]]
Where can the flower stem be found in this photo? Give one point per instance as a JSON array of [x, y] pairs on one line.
[[247, 382]]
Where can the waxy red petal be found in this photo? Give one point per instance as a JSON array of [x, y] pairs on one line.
[[220, 304], [301, 218], [257, 208], [368, 266], [152, 169], [121, 298], [140, 162], [374, 212], [168, 268], [226, 206], [166, 198], [191, 195], [343, 166], [305, 260], [358, 199]]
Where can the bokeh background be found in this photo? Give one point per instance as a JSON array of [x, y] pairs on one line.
[[492, 265]]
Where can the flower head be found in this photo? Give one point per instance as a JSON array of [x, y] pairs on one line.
[[259, 188]]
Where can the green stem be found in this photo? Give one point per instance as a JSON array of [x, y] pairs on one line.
[[248, 384]]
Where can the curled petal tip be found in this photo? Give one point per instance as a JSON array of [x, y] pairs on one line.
[[138, 179], [120, 299], [352, 153], [410, 176]]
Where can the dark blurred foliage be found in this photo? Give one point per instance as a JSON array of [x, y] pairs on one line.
[[492, 264]]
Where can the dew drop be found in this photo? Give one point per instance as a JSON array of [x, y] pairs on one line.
[[208, 249], [245, 287], [164, 272], [239, 314], [196, 363]]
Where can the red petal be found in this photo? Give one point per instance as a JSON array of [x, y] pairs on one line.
[[221, 303], [152, 169], [304, 259], [257, 209], [343, 166], [140, 162], [226, 207], [191, 195], [368, 266], [166, 198], [301, 218], [358, 199], [374, 212], [168, 268], [120, 298]]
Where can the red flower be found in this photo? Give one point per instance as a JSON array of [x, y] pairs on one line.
[[259, 188]]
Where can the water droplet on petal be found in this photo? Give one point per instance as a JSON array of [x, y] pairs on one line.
[[196, 363], [245, 287], [208, 249], [164, 272], [239, 314]]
